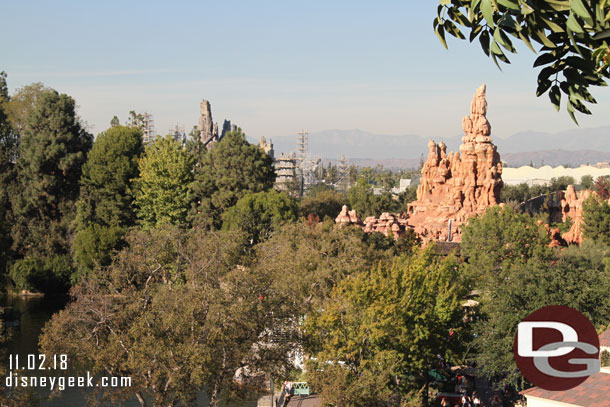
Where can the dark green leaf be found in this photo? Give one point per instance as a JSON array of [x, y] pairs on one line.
[[555, 96], [547, 72], [543, 86], [544, 59], [484, 40], [579, 63], [574, 76], [452, 29], [578, 105], [440, 33], [475, 32], [457, 16]]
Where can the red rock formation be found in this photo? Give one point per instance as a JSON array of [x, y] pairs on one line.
[[347, 217], [386, 224], [571, 207], [555, 235], [457, 186]]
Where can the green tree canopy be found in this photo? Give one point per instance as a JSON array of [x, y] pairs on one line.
[[572, 36], [106, 184], [508, 260], [382, 327], [578, 277], [232, 168], [52, 151], [163, 189], [596, 219], [178, 313], [586, 181], [366, 203], [312, 259], [8, 153], [500, 237], [260, 214], [23, 103], [323, 204], [105, 206]]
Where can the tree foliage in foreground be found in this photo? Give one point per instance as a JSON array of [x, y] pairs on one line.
[[313, 258], [508, 260], [572, 37], [383, 327], [177, 312]]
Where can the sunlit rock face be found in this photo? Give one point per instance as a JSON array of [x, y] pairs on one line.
[[457, 186]]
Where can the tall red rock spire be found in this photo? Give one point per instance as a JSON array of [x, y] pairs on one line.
[[456, 186]]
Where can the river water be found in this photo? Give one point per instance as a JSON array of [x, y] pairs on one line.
[[33, 313]]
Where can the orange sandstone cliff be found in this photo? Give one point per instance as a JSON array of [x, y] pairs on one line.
[[457, 186]]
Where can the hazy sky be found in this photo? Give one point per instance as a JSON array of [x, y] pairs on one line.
[[272, 67]]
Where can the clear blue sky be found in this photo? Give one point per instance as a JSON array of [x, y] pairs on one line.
[[272, 67]]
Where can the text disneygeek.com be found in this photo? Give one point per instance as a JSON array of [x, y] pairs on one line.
[[18, 376]]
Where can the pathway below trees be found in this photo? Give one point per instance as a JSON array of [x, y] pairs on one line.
[[305, 401]]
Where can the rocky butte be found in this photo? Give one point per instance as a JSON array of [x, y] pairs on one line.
[[457, 186], [453, 187]]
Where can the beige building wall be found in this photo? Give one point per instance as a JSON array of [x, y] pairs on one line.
[[540, 402]]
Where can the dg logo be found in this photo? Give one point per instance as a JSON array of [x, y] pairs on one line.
[[556, 348]]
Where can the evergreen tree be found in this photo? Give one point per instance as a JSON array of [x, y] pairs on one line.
[[232, 168], [105, 206], [52, 151], [596, 219], [195, 146], [106, 184], [163, 188], [8, 152]]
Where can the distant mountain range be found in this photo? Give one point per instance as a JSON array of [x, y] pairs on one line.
[[573, 147]]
